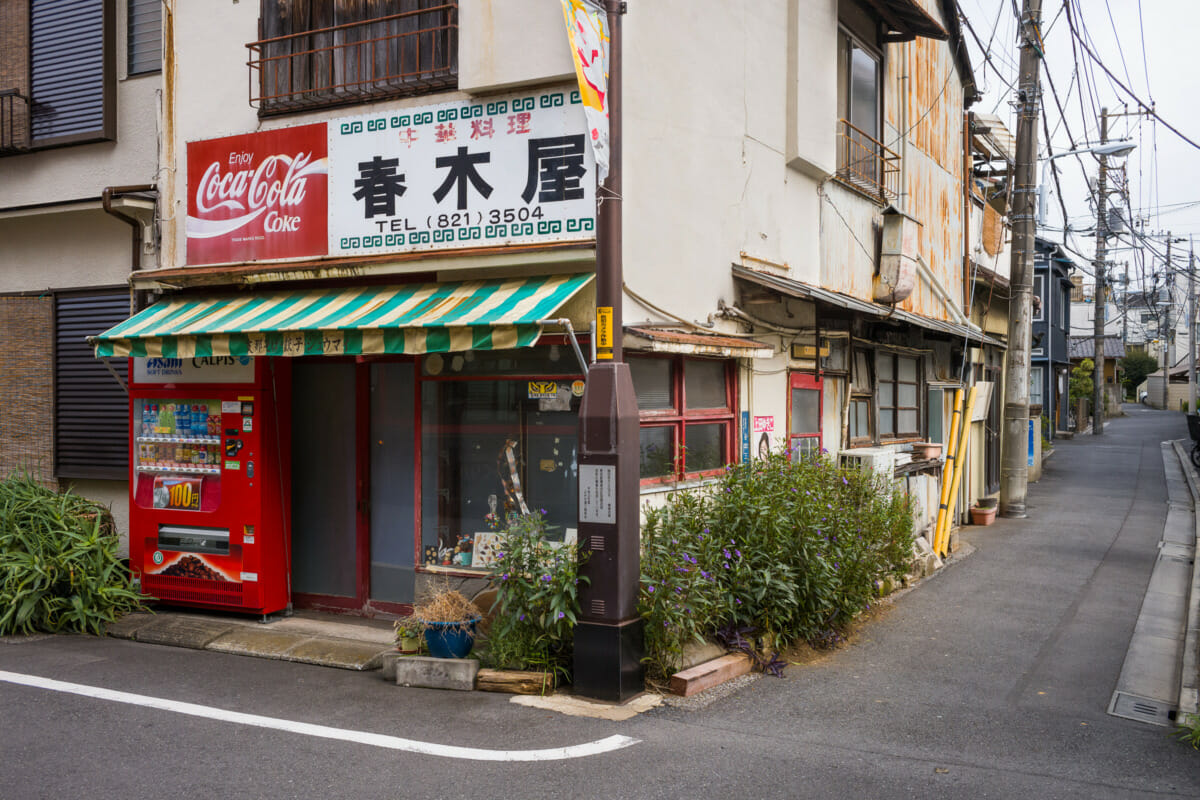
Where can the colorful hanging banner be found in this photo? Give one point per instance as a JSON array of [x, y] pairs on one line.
[[587, 27]]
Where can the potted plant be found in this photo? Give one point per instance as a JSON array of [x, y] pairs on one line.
[[408, 634], [448, 621], [984, 511]]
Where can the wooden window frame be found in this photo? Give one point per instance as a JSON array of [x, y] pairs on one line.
[[897, 435], [679, 418]]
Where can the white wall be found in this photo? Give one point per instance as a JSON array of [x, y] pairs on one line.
[[83, 171], [62, 250]]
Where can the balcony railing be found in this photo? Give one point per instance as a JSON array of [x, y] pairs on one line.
[[392, 56], [14, 122], [864, 163]]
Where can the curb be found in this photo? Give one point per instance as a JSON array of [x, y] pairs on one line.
[[1189, 677]]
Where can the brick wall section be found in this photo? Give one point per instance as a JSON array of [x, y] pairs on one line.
[[27, 386], [14, 67]]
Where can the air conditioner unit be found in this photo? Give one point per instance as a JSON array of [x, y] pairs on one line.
[[879, 459]]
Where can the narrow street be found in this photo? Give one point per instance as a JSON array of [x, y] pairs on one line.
[[991, 679]]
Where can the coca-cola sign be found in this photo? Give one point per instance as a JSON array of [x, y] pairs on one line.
[[258, 196]]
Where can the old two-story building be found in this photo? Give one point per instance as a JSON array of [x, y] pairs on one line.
[[377, 227], [1050, 353], [80, 86]]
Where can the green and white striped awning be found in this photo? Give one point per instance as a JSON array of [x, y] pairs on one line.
[[496, 314]]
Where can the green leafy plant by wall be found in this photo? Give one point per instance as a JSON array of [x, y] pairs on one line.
[[1081, 380], [537, 598], [789, 550], [59, 569]]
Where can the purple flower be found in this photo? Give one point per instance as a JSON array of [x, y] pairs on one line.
[[845, 482], [561, 615], [650, 589], [737, 600], [521, 618], [739, 553], [545, 578], [705, 575], [726, 565], [504, 577]]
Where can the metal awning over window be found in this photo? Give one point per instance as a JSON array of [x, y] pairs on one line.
[[496, 314], [804, 291], [906, 20]]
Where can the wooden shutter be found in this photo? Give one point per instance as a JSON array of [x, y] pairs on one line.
[[145, 36], [91, 411], [73, 83]]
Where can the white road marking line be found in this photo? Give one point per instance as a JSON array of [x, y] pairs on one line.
[[362, 737]]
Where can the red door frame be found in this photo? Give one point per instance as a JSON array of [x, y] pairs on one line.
[[806, 380], [360, 603]]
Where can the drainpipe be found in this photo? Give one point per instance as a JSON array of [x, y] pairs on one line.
[[135, 224]]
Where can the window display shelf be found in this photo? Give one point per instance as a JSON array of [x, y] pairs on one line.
[[192, 469], [181, 439]]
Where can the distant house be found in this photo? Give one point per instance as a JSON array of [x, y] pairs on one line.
[[1114, 350], [1049, 358]]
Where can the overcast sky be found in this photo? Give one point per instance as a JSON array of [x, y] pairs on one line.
[[1164, 170]]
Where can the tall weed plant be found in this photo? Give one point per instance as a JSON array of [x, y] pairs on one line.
[[59, 569], [537, 598], [790, 550]]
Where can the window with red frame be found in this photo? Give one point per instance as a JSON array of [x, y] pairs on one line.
[[804, 415], [687, 412]]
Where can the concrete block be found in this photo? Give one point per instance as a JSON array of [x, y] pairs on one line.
[[387, 665], [437, 673], [255, 641]]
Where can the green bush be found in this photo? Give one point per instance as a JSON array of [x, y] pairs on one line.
[[789, 550], [537, 598], [59, 569]]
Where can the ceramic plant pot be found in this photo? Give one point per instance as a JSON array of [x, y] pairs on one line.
[[983, 516], [450, 639]]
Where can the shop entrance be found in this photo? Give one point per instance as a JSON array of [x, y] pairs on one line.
[[353, 441], [324, 481]]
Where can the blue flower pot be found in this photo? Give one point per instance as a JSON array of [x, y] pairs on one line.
[[450, 639]]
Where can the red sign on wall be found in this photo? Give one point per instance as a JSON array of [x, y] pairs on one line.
[[258, 196]]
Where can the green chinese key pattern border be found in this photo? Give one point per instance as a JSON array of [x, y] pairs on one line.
[[455, 113]]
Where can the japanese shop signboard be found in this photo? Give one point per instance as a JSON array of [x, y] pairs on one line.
[[504, 170], [472, 173], [258, 196]]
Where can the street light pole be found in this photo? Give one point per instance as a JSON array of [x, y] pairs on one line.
[[1014, 469], [1101, 303]]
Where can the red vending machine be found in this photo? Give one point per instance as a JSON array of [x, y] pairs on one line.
[[207, 512]]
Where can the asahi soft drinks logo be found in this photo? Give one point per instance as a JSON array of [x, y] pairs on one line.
[[258, 196]]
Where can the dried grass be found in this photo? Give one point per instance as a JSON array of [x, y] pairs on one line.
[[443, 604]]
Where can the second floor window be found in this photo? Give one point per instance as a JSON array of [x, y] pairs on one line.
[[863, 161], [316, 53]]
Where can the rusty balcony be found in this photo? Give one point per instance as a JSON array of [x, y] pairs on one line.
[[866, 164], [14, 122], [403, 54]]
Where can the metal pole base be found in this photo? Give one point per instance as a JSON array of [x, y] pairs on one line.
[[608, 660]]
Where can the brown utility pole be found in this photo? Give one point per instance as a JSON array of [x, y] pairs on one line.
[[1014, 469], [608, 636], [1101, 294]]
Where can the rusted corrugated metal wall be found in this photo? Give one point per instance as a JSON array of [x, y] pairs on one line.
[[923, 114]]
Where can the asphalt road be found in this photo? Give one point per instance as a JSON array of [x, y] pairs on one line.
[[989, 680]]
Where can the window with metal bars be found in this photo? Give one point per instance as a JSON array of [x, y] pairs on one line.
[[316, 53]]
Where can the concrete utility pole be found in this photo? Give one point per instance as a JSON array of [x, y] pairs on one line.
[[1191, 337], [1168, 334], [1101, 299], [1014, 469]]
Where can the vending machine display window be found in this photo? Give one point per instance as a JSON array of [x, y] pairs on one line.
[[177, 453]]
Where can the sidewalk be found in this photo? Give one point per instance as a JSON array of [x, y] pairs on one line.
[[308, 637]]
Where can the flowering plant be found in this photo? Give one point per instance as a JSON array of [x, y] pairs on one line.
[[537, 597]]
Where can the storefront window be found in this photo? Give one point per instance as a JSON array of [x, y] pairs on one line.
[[492, 447]]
